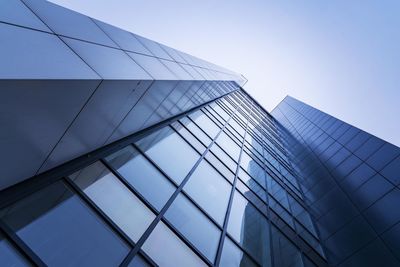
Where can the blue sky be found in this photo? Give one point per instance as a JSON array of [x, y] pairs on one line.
[[342, 57]]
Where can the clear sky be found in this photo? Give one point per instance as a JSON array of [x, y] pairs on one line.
[[341, 56]]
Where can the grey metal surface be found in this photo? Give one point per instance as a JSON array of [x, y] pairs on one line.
[[70, 84]]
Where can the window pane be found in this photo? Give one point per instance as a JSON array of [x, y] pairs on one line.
[[279, 194], [285, 253], [9, 256], [210, 190], [166, 249], [253, 168], [252, 184], [196, 131], [139, 261], [232, 256], [190, 138], [237, 127], [250, 228], [205, 123], [221, 112], [194, 225], [62, 231], [228, 145], [221, 155], [142, 175], [217, 164], [170, 152], [110, 195]]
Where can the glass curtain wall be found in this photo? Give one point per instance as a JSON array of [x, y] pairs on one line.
[[213, 188]]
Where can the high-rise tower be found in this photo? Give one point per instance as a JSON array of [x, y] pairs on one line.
[[120, 151]]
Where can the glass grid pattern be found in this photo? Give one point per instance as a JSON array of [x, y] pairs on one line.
[[209, 177], [259, 174], [350, 181]]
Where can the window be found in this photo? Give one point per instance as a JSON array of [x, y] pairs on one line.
[[222, 156], [250, 228], [194, 225], [285, 253], [253, 168], [142, 175], [205, 123], [210, 190], [111, 196], [138, 261], [166, 249], [62, 231], [232, 256], [170, 152], [252, 184], [195, 130], [228, 145], [9, 255], [217, 164], [237, 127], [221, 112]]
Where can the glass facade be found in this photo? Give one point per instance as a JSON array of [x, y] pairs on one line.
[[350, 182], [153, 157], [200, 190]]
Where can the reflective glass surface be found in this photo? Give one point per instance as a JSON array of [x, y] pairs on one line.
[[9, 256], [62, 231], [232, 256], [196, 131], [194, 225], [110, 195], [170, 152], [284, 252], [237, 127], [252, 184], [190, 137], [166, 249], [210, 190], [205, 123], [228, 145], [142, 175], [253, 169], [250, 228], [138, 261], [222, 156], [221, 113]]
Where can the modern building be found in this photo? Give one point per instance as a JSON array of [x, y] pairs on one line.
[[120, 151]]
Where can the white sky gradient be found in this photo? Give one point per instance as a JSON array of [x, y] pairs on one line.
[[342, 57]]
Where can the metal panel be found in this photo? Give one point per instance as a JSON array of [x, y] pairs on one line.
[[30, 54], [35, 115], [98, 119], [176, 68], [69, 23], [110, 63], [14, 11], [124, 39], [154, 47], [154, 66], [144, 109]]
